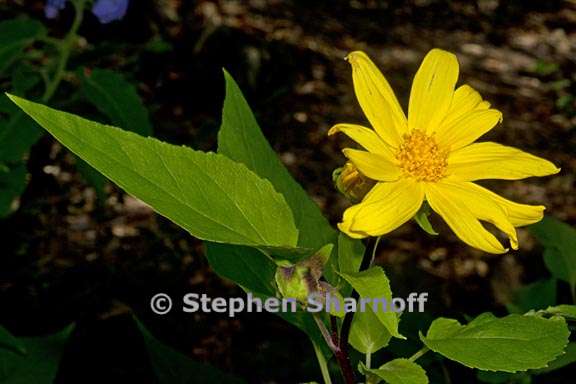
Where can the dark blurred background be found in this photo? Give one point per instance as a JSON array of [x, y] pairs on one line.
[[67, 257]]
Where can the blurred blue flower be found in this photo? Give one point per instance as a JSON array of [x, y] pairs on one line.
[[53, 7], [105, 10], [109, 10]]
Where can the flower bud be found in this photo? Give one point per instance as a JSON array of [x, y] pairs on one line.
[[351, 183]]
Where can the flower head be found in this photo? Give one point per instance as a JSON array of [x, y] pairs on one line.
[[431, 156], [110, 10], [105, 10], [53, 8]]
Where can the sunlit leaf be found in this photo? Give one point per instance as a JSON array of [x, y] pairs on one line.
[[209, 195], [510, 344]]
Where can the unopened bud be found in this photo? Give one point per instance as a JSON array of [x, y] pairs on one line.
[[351, 183]]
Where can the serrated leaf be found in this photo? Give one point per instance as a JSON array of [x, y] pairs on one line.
[[117, 99], [367, 333], [38, 364], [373, 284], [569, 357], [15, 35], [209, 195], [559, 241], [241, 139], [510, 344], [398, 371], [564, 310], [172, 367]]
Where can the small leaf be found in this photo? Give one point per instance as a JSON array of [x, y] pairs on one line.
[[510, 344], [564, 310], [368, 334], [207, 194], [373, 284], [422, 219], [398, 371], [559, 241]]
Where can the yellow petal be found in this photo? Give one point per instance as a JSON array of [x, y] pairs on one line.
[[495, 161], [372, 165], [481, 206], [468, 128], [385, 208], [377, 99], [432, 90], [518, 214], [366, 137], [461, 220], [465, 100]]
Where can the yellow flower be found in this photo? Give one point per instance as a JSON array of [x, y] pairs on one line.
[[431, 155]]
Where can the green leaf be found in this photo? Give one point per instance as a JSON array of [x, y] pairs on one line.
[[117, 99], [172, 367], [247, 267], [9, 342], [503, 377], [569, 357], [535, 296], [373, 284], [93, 178], [209, 195], [398, 371], [564, 310], [350, 254], [368, 334], [254, 272], [12, 184], [510, 344], [17, 134], [25, 78], [15, 35], [559, 241], [241, 139], [38, 364], [422, 219]]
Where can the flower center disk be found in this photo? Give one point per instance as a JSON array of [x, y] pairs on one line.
[[420, 157]]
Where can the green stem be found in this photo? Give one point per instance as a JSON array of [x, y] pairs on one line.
[[368, 363], [65, 48], [419, 354], [374, 250], [322, 363]]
